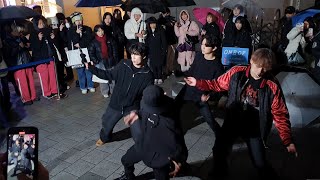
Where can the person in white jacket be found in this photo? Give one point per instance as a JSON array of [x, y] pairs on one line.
[[296, 39], [135, 27]]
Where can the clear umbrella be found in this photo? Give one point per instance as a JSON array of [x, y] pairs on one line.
[[302, 95], [251, 7]]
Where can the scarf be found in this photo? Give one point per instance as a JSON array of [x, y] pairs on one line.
[[104, 47]]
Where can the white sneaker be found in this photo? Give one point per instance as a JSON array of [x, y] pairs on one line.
[[84, 91], [160, 81], [92, 90], [155, 81], [106, 96]]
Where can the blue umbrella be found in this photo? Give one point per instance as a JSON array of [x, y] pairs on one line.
[[97, 3], [299, 18]]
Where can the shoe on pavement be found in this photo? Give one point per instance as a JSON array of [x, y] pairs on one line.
[[99, 143], [106, 96], [92, 90], [160, 81], [28, 103], [126, 177], [84, 91]]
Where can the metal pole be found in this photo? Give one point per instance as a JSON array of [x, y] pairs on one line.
[[57, 81]]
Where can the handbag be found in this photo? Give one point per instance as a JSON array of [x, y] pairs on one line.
[[98, 80], [187, 46], [192, 39], [295, 59], [74, 57]]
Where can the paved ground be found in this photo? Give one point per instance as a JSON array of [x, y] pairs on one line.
[[69, 128]]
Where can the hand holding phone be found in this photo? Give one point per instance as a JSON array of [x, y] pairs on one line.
[[22, 153]]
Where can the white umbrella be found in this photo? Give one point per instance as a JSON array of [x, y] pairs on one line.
[[302, 94], [251, 7]]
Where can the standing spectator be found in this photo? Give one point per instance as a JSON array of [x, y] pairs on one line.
[[183, 28], [15, 152], [102, 51], [114, 34], [206, 66], [135, 27], [230, 28], [119, 23], [255, 102], [131, 77], [80, 36], [43, 47], [64, 26], [297, 42], [241, 35], [17, 53], [167, 22], [157, 45], [211, 27], [60, 54], [37, 9], [285, 25]]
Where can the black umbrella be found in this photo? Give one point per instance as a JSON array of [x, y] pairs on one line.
[[16, 12], [178, 3], [146, 6], [97, 3]]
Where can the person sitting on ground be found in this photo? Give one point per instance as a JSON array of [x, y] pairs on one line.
[[131, 78], [162, 146], [255, 102]]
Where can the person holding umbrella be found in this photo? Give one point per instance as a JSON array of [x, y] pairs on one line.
[[211, 28]]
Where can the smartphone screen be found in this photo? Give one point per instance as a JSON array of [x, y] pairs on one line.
[[22, 148]]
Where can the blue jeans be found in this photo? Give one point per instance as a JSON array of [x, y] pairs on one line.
[[85, 78]]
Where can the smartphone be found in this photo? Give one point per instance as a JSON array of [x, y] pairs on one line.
[[310, 31], [22, 148]]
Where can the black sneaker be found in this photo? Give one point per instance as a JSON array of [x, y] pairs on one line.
[[126, 177], [51, 96], [62, 96]]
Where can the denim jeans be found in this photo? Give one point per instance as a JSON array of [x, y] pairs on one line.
[[85, 78]]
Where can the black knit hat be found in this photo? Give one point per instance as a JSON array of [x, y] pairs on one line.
[[289, 10], [154, 100]]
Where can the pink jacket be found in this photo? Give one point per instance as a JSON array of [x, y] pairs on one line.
[[182, 31]]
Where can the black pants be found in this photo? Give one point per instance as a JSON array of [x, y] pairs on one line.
[[60, 75], [5, 94], [132, 157], [157, 71], [256, 148], [109, 119]]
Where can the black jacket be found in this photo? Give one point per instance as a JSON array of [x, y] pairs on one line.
[[43, 49], [73, 37], [168, 24], [212, 29], [129, 86], [115, 33], [242, 39], [229, 32], [12, 50], [95, 53], [157, 44], [285, 25], [161, 139]]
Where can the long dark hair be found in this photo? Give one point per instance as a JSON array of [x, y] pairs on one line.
[[104, 17], [244, 22], [152, 20]]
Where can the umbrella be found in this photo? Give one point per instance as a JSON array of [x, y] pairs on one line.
[[16, 12], [201, 15], [97, 3], [146, 6], [302, 95], [178, 3], [251, 7], [299, 18]]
